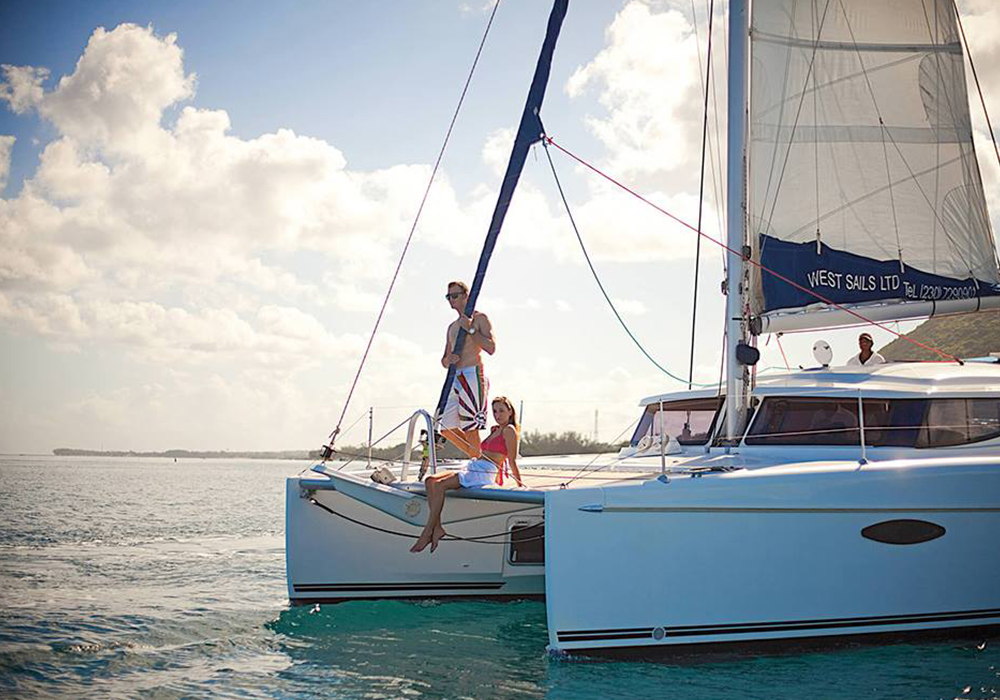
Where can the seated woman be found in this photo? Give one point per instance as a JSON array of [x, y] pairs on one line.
[[499, 446]]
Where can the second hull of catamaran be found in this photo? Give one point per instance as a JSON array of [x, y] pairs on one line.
[[341, 546], [786, 553]]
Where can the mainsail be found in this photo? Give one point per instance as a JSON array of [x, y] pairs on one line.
[[863, 184]]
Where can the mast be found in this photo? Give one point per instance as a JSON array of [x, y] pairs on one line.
[[739, 29]]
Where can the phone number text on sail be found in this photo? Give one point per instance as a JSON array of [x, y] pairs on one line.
[[890, 284]]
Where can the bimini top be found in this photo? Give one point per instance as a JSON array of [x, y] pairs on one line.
[[890, 380]]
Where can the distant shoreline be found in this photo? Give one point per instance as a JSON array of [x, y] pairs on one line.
[[189, 454]]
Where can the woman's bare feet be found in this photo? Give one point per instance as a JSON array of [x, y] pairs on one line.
[[439, 533], [422, 542]]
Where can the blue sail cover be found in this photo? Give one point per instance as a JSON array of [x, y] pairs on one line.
[[529, 132], [863, 184], [846, 278]]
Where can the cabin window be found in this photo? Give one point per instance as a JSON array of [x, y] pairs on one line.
[[888, 422], [690, 422], [953, 422]]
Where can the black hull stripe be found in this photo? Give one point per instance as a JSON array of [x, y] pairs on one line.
[[703, 648], [369, 587], [758, 628]]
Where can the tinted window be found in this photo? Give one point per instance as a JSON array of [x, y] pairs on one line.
[[960, 421], [805, 421], [888, 422], [688, 422]]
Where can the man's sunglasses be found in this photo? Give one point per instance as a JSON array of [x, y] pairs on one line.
[[453, 295]]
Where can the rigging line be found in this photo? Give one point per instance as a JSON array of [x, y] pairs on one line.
[[785, 359], [717, 163], [795, 124], [883, 130], [722, 358], [446, 538], [588, 465], [714, 154], [979, 89], [975, 75], [815, 141], [416, 219], [701, 196], [871, 92], [348, 428], [750, 260], [391, 431], [785, 85], [597, 279]]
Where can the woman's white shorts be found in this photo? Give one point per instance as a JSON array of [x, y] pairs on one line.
[[477, 473]]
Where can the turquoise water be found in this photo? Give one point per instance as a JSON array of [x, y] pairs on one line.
[[144, 578]]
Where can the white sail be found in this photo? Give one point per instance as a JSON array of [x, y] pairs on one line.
[[863, 181]]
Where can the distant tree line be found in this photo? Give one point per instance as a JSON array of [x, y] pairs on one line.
[[533, 444], [188, 454], [570, 442]]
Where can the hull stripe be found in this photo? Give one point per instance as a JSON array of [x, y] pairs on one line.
[[786, 626], [389, 587]]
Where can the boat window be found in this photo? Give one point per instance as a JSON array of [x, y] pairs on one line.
[[888, 422], [960, 421], [690, 422], [527, 544]]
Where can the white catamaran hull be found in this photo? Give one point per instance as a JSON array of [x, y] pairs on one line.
[[783, 554], [331, 558]]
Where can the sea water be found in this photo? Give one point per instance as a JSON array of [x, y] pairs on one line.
[[149, 578]]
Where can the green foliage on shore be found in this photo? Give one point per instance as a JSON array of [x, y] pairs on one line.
[[189, 454], [533, 444], [570, 442], [968, 335]]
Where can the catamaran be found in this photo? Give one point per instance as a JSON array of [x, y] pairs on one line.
[[804, 507]]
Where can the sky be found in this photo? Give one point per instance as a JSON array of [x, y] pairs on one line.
[[202, 205]]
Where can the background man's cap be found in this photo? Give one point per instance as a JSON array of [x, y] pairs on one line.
[[866, 335]]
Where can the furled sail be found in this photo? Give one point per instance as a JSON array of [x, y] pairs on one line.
[[529, 131], [863, 184]]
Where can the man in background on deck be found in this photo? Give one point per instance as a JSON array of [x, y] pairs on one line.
[[465, 411], [866, 357]]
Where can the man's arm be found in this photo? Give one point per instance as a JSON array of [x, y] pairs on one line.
[[483, 337]]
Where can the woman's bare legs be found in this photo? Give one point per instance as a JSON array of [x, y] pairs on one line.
[[436, 487]]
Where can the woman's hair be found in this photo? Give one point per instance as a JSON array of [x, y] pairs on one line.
[[510, 407]]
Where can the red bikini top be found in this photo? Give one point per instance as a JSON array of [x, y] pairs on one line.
[[495, 443]]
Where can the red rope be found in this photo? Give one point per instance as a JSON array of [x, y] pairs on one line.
[[785, 359], [753, 262]]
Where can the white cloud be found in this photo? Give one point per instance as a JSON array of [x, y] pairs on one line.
[[631, 307], [121, 200], [6, 145], [22, 86], [647, 80], [981, 19], [496, 150], [122, 83]]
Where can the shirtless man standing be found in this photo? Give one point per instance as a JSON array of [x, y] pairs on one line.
[[465, 412]]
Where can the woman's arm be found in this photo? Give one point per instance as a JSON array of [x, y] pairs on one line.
[[510, 439]]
